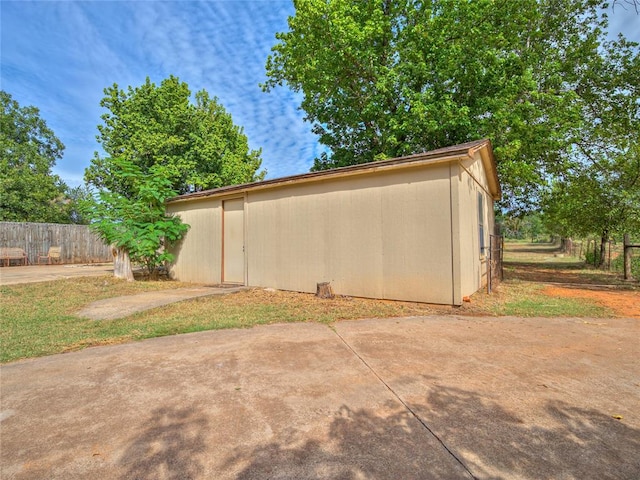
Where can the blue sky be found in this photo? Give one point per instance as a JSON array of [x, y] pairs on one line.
[[60, 55]]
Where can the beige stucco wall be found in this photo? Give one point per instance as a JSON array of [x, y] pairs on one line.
[[472, 181], [381, 235], [198, 255]]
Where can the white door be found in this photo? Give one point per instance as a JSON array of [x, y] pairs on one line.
[[233, 241]]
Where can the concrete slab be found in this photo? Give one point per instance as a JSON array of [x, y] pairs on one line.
[[417, 398], [45, 273], [280, 401], [517, 398], [120, 307]]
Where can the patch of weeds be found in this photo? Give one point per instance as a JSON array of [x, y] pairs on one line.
[[525, 299], [38, 318]]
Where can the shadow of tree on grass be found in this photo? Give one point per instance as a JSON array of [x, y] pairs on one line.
[[538, 263]]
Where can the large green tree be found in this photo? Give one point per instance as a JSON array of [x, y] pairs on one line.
[[29, 191], [158, 144], [393, 77], [198, 143], [601, 199], [599, 193]]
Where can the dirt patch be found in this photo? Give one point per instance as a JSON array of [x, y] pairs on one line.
[[541, 265], [560, 273], [625, 304], [565, 276]]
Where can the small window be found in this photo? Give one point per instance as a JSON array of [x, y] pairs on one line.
[[481, 223]]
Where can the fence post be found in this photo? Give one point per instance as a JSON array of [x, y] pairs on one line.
[[495, 272], [627, 257]]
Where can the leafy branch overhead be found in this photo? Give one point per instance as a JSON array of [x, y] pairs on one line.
[[197, 143], [29, 191], [137, 223], [395, 77]]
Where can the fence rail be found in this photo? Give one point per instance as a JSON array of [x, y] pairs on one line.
[[79, 244], [619, 255]]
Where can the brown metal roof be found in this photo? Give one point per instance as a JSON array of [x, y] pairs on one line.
[[434, 156]]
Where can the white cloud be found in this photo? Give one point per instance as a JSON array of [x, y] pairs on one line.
[[60, 55]]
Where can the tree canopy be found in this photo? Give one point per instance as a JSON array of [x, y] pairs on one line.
[[601, 199], [29, 191], [198, 143], [394, 77]]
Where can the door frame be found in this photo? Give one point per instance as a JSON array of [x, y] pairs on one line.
[[244, 239]]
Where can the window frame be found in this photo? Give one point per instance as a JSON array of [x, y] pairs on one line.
[[481, 234]]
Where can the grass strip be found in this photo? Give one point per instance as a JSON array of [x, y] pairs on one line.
[[39, 319]]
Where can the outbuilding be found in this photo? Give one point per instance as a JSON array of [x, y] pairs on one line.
[[414, 228]]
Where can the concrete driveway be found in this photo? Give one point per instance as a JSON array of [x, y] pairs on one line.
[[44, 273], [415, 398]]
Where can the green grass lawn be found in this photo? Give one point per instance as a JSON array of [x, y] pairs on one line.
[[39, 319], [525, 299]]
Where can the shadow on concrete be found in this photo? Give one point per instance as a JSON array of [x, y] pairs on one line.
[[557, 440], [361, 445], [564, 442], [169, 448]]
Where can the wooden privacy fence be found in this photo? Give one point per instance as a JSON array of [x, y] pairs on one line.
[[79, 244]]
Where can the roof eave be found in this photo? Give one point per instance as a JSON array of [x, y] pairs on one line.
[[490, 166], [314, 177], [447, 154]]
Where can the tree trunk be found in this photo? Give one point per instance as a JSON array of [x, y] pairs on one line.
[[627, 258], [122, 264], [323, 290], [603, 248]]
